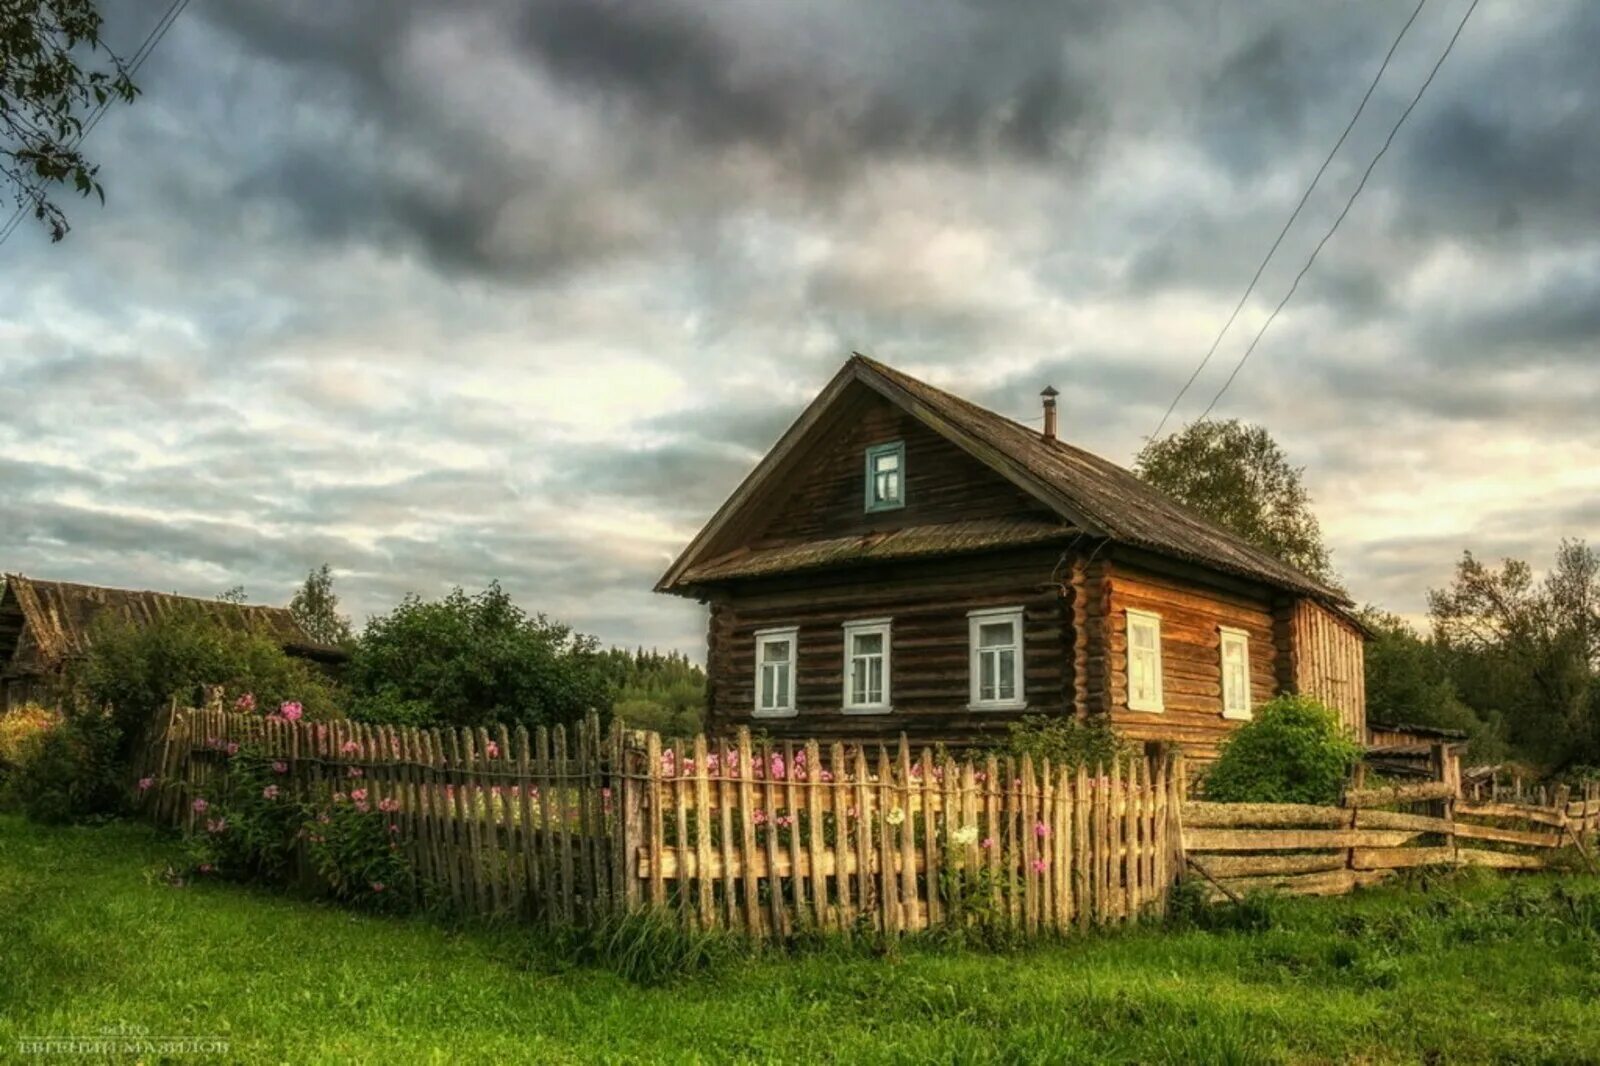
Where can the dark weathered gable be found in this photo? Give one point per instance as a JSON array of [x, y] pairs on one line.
[[826, 498]]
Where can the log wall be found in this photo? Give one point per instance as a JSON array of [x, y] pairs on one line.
[[1191, 655], [929, 654]]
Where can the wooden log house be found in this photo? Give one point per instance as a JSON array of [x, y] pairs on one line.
[[905, 560]]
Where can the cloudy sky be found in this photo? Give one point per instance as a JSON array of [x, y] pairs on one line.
[[442, 292]]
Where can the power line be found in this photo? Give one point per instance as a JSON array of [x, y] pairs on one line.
[[1292, 216], [1348, 204], [153, 38]]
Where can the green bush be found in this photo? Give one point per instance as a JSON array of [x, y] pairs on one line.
[[249, 826], [470, 661], [1293, 751], [354, 845], [71, 772], [1066, 742]]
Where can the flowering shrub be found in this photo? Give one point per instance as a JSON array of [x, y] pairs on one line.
[[248, 829], [70, 772], [1066, 742], [354, 844]]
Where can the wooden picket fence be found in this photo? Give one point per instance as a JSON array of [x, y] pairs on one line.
[[776, 839], [766, 839]]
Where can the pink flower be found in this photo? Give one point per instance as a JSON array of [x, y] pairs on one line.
[[145, 783], [280, 767], [270, 792], [827, 775], [359, 795], [216, 825], [492, 750], [1039, 866], [205, 867], [986, 843], [356, 771], [199, 805], [377, 886], [245, 703], [291, 711], [777, 766], [339, 797], [1041, 830], [393, 828], [389, 805], [784, 821], [760, 818], [233, 749], [350, 747]]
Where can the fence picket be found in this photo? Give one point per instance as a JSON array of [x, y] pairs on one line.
[[815, 841], [706, 913]]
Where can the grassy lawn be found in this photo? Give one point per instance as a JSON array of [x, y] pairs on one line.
[[1460, 970]]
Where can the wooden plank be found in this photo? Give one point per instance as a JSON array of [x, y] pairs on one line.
[[866, 891], [702, 833], [888, 884], [932, 857], [799, 914], [913, 913], [655, 831], [1369, 819], [1331, 883], [839, 804], [814, 835], [527, 838], [747, 834], [1400, 858], [561, 801], [1292, 839], [778, 914], [1082, 800], [1258, 865], [1539, 815], [1379, 797], [1200, 815], [682, 790], [730, 843], [1500, 860], [1527, 837]]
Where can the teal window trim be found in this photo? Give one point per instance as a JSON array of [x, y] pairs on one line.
[[874, 453]]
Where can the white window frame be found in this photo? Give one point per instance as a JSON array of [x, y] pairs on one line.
[[865, 627], [763, 638], [1135, 703], [1241, 639], [975, 621]]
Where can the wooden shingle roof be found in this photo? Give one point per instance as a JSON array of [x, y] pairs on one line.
[[57, 619], [1091, 494]]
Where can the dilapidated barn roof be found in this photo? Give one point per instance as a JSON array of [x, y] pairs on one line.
[[43, 624], [1091, 494]]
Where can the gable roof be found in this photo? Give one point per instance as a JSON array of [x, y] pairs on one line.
[[1095, 496], [59, 617]]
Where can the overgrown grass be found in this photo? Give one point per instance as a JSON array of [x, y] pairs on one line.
[[1474, 969]]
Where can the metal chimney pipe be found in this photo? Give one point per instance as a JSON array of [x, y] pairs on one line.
[[1049, 394]]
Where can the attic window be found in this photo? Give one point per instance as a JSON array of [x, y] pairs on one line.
[[886, 476]]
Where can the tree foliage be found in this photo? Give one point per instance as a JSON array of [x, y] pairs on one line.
[[651, 690], [1410, 681], [1529, 649], [315, 608], [1236, 475], [473, 660], [1293, 751], [46, 95]]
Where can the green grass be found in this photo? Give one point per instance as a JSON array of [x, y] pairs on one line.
[[1459, 970]]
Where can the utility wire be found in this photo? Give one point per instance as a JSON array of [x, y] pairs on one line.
[[1348, 204], [1248, 289], [153, 38]]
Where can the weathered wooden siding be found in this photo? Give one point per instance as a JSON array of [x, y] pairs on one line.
[[943, 483], [929, 673], [1191, 655], [1328, 661]]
